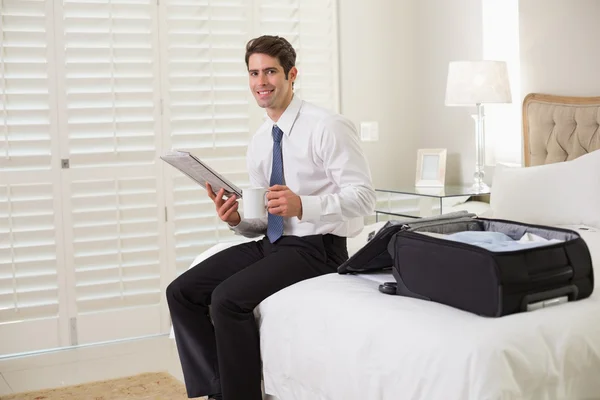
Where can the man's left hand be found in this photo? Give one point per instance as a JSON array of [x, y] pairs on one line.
[[284, 202]]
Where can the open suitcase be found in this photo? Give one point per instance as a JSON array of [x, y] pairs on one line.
[[487, 281]]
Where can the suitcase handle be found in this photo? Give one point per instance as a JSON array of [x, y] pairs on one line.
[[538, 300]]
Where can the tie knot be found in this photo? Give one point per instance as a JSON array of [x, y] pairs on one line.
[[277, 134]]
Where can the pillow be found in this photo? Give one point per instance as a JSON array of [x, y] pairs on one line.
[[448, 202], [566, 193]]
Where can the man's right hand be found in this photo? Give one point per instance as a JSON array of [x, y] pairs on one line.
[[226, 209]]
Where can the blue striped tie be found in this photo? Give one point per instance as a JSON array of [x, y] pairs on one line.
[[275, 222]]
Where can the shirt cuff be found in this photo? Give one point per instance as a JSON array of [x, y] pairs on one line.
[[311, 208], [242, 226]]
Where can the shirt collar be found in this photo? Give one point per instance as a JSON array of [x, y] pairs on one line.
[[287, 119]]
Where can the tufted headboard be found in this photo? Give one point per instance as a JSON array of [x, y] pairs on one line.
[[559, 128]]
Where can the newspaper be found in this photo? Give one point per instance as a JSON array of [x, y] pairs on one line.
[[200, 172]]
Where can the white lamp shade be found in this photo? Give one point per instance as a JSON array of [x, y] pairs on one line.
[[475, 82]]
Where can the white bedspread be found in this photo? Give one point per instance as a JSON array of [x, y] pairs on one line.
[[336, 337]]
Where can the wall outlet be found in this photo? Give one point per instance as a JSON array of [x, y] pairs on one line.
[[369, 131]]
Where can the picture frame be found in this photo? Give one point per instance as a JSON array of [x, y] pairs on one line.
[[431, 168]]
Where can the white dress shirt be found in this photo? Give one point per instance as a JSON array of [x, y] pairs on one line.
[[323, 163]]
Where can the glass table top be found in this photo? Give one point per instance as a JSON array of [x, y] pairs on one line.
[[438, 192]]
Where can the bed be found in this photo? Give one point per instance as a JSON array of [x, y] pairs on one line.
[[336, 337]]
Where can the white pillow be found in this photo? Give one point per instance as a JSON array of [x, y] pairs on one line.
[[566, 193]]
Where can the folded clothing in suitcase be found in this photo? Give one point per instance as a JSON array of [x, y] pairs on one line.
[[430, 262]]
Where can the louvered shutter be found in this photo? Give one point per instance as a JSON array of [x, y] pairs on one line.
[[207, 111], [85, 254], [310, 26], [114, 208], [31, 256]]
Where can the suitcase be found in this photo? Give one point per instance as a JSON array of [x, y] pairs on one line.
[[488, 282]]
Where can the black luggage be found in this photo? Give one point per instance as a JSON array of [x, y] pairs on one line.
[[486, 282]]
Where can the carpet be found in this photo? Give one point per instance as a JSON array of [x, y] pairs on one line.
[[148, 386]]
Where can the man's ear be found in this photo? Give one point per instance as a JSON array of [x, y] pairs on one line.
[[293, 74]]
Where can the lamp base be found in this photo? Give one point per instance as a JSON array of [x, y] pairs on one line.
[[480, 187]]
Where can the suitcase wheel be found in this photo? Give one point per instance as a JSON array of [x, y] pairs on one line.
[[388, 287]]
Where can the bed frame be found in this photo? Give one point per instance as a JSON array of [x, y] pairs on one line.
[[559, 128]]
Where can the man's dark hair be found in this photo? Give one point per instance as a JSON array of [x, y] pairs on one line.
[[273, 46]]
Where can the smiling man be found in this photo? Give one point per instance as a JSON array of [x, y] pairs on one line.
[[319, 191]]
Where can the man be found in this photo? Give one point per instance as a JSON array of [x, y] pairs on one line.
[[319, 191]]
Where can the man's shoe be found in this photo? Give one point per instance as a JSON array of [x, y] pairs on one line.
[[217, 396]]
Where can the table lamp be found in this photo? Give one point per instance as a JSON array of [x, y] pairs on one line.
[[476, 83]]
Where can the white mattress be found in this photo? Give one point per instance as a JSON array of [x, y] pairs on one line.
[[336, 337]]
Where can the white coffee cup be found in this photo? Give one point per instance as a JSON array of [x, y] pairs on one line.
[[255, 202]]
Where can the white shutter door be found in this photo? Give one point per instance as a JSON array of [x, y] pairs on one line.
[[114, 208], [31, 256], [311, 27], [206, 111]]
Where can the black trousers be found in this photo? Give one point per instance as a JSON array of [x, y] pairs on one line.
[[224, 356]]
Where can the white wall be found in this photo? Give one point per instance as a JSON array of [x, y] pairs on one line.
[[560, 47], [378, 78], [446, 31]]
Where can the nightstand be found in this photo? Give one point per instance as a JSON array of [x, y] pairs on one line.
[[418, 202]]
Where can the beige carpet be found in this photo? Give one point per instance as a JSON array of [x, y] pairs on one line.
[[149, 386]]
